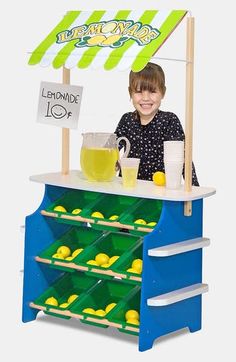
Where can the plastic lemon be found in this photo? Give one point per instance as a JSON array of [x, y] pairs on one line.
[[131, 314], [133, 321], [132, 270], [97, 214], [102, 258], [59, 208], [113, 259], [76, 211], [106, 265], [64, 251], [63, 305], [140, 221], [51, 301], [110, 307], [89, 311], [137, 264], [76, 252], [92, 262], [58, 256], [152, 223], [69, 258], [113, 217], [159, 178], [72, 297], [100, 312]]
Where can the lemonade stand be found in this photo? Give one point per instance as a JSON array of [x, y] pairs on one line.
[[108, 271]]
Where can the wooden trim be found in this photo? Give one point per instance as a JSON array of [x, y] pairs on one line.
[[65, 132]]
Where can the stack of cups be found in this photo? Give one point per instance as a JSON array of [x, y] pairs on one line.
[[173, 161]]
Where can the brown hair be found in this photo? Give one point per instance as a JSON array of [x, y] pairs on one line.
[[150, 78]]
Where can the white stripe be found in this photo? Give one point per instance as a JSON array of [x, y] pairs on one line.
[[131, 53], [54, 49], [104, 53], [77, 53]]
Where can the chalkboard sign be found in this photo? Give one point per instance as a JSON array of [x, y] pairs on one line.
[[59, 104]]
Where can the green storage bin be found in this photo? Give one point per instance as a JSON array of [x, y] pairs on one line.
[[110, 205], [75, 238], [125, 262], [112, 244], [75, 199], [77, 283], [104, 293], [148, 209], [117, 315]]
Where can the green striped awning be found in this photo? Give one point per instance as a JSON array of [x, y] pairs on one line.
[[124, 39]]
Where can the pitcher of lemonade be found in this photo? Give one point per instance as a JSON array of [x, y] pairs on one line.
[[99, 155]]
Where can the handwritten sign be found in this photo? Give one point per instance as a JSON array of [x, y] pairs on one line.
[[59, 104]]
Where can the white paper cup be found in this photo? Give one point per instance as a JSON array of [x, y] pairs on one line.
[[173, 151], [129, 171], [173, 173]]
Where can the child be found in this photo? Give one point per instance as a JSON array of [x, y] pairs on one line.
[[148, 127]]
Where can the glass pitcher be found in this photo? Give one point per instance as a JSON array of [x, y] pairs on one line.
[[99, 155]]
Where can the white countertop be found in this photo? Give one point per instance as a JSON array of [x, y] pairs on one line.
[[144, 189]]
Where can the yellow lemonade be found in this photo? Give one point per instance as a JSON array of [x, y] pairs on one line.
[[129, 176], [98, 164]]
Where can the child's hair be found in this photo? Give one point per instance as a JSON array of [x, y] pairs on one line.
[[150, 78]]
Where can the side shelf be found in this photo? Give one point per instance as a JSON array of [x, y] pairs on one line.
[[181, 247], [178, 295]]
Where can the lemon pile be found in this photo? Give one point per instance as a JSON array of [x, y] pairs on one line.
[[64, 253], [60, 208], [100, 312], [143, 222], [54, 302], [103, 260], [132, 317], [136, 266]]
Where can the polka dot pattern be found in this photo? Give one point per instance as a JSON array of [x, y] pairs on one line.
[[147, 140]]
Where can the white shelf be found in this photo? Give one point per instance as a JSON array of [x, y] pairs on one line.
[[181, 247], [178, 295], [143, 189]]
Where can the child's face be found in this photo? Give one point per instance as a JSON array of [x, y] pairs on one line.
[[146, 103]]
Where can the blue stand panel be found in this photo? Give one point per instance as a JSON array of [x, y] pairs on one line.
[[165, 274]]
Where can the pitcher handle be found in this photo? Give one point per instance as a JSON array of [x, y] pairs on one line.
[[127, 145]]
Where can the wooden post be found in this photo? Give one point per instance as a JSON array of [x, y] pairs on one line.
[[65, 133], [189, 113]]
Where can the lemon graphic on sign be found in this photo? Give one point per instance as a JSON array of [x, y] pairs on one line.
[[111, 40], [96, 40]]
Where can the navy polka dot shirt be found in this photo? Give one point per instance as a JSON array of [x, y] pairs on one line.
[[147, 140]]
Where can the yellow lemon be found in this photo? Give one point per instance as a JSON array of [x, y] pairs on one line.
[[113, 259], [59, 208], [69, 258], [159, 178], [51, 301], [102, 258], [100, 312], [111, 39], [113, 217], [152, 223], [64, 251], [76, 211], [72, 297], [89, 311], [95, 40], [140, 221], [58, 256], [97, 214], [63, 305], [132, 314], [76, 252], [132, 270], [133, 321], [92, 262], [137, 264], [106, 265], [110, 307]]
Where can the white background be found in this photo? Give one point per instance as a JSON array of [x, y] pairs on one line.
[[29, 148]]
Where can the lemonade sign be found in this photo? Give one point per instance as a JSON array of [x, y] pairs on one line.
[[113, 33]]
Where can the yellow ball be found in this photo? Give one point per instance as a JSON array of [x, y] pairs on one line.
[[133, 321], [140, 221], [109, 307], [137, 264], [72, 297], [64, 251], [102, 258], [159, 178], [59, 208], [76, 211], [132, 314], [51, 301], [97, 214]]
